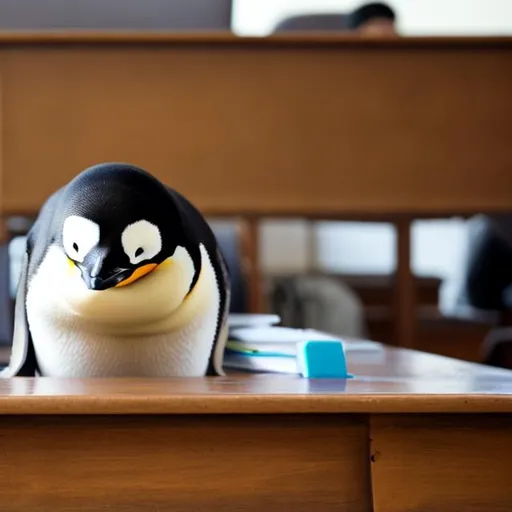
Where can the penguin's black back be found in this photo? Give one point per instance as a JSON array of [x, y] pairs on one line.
[[110, 187]]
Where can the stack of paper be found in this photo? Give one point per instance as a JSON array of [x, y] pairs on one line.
[[261, 347]]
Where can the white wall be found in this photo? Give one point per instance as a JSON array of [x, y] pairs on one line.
[[415, 17]]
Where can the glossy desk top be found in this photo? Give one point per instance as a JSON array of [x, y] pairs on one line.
[[387, 381]]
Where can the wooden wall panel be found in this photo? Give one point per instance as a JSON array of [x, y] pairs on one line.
[[272, 129]]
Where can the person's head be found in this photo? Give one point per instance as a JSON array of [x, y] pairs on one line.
[[373, 18]]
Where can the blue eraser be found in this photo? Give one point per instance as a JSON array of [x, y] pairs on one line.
[[322, 360]]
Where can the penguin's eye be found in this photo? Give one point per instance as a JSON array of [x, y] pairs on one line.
[[141, 241], [79, 236]]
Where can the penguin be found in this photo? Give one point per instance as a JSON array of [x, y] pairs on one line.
[[122, 277]]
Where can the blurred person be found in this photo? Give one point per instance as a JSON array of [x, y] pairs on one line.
[[484, 281], [373, 19]]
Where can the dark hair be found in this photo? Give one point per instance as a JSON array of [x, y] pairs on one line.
[[368, 11]]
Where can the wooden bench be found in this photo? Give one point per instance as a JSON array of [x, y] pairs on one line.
[[412, 431]]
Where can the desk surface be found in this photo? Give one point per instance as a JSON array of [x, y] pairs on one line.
[[262, 449], [387, 380]]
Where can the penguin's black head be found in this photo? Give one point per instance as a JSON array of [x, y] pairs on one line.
[[117, 223]]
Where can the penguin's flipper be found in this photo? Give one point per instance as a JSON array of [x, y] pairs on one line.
[[215, 364], [23, 362]]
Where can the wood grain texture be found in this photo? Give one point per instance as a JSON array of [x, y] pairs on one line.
[[442, 463], [234, 127], [386, 381], [183, 464]]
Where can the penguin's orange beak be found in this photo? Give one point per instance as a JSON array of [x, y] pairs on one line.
[[99, 273], [137, 274]]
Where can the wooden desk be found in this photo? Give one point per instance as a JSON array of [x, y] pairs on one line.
[[411, 432], [318, 127]]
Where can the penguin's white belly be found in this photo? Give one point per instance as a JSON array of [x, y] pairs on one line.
[[76, 352], [144, 343]]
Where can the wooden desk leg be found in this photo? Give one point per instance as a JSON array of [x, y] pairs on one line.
[[250, 229], [405, 297]]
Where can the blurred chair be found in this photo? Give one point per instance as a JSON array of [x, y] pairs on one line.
[[173, 15], [331, 22]]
